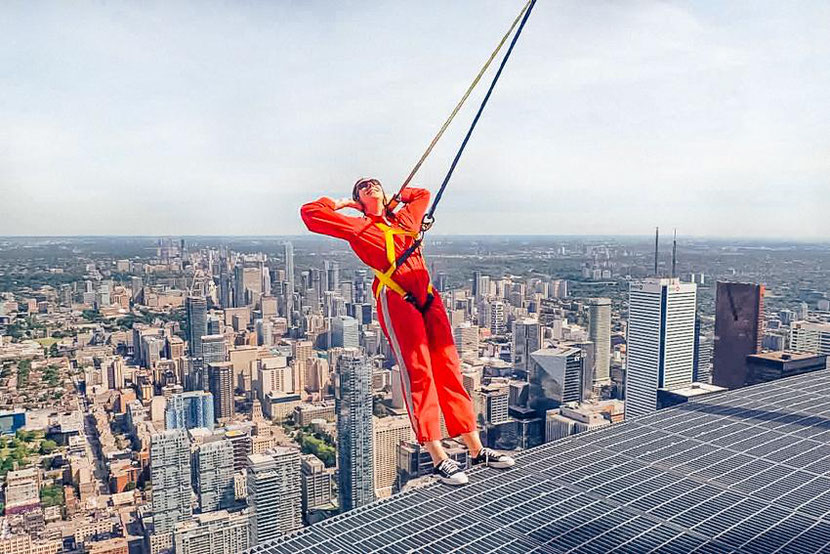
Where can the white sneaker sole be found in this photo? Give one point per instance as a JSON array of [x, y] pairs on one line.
[[456, 480], [504, 464]]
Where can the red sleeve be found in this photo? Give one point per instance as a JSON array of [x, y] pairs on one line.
[[415, 203], [320, 217]]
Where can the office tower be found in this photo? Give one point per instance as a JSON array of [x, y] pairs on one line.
[[214, 475], [317, 483], [265, 280], [220, 532], [481, 285], [465, 337], [136, 288], [247, 285], [494, 403], [345, 332], [196, 308], [703, 359], [353, 405], [739, 331], [152, 347], [225, 285], [558, 288], [189, 410], [498, 318], [661, 341], [290, 287], [274, 494], [556, 377], [214, 349], [242, 445], [769, 366], [441, 282], [810, 337], [170, 475], [332, 275], [273, 375], [289, 262], [599, 332], [388, 433], [527, 338], [265, 332], [220, 375], [214, 326], [471, 379]]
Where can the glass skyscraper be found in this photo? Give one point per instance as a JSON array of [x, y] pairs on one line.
[[353, 406]]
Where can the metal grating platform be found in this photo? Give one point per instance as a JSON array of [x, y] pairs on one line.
[[741, 471]]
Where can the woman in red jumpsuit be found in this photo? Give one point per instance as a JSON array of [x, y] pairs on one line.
[[411, 315]]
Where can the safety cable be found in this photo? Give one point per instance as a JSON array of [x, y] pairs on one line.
[[428, 219]]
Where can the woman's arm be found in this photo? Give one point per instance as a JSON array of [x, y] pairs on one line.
[[321, 217], [415, 203]]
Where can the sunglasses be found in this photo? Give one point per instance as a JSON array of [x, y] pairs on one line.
[[363, 185]]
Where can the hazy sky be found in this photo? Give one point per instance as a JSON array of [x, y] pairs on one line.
[[223, 117]]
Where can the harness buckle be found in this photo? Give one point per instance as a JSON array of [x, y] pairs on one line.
[[426, 223]]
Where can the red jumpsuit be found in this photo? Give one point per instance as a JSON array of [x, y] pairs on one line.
[[422, 343]]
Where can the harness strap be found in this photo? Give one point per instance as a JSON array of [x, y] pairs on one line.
[[385, 277]]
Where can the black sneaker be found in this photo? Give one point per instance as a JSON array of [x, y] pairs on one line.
[[492, 458], [449, 472]]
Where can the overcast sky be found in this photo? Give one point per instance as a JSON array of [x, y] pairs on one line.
[[223, 117]]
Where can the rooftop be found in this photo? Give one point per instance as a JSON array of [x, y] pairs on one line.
[[784, 355], [741, 471]]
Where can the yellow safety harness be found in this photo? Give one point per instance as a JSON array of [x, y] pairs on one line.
[[385, 277]]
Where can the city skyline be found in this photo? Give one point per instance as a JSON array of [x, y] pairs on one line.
[[694, 116]]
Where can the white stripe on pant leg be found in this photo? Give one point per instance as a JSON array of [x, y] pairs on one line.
[[396, 347]]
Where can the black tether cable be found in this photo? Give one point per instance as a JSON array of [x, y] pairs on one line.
[[428, 219]]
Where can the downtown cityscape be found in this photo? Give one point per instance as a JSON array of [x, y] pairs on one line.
[[385, 277], [211, 395]]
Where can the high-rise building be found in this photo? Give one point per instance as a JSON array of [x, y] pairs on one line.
[[498, 318], [317, 483], [242, 444], [214, 475], [214, 349], [527, 338], [660, 345], [274, 494], [810, 337], [170, 476], [494, 404], [289, 278], [599, 332], [345, 332], [332, 275], [220, 375], [220, 532], [769, 366], [247, 285], [555, 378], [739, 331], [481, 285], [388, 433], [189, 410], [196, 308], [353, 406], [273, 375], [466, 339]]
